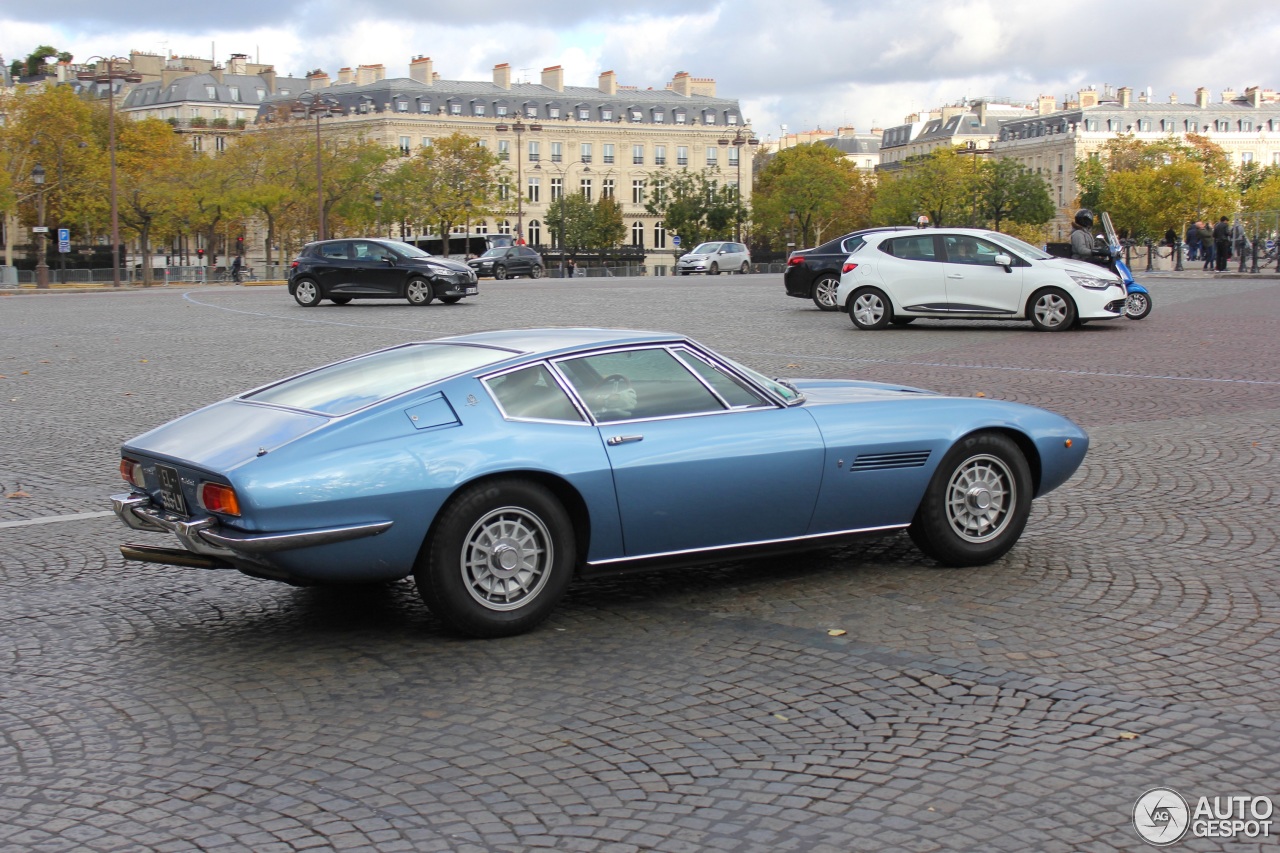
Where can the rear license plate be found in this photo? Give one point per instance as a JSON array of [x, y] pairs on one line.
[[171, 490], [471, 290]]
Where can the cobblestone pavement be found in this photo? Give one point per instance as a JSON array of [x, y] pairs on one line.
[[1129, 641]]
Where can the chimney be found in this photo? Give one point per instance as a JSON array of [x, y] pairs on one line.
[[682, 84], [345, 76], [609, 83], [236, 64], [1088, 98], [317, 80], [268, 76], [553, 78], [366, 74], [1126, 97], [1173, 97], [982, 113], [502, 75], [1253, 95], [704, 86], [420, 70], [1047, 105], [1202, 97], [1228, 95]]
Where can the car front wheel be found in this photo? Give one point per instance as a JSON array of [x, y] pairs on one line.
[[1051, 310], [499, 272], [536, 272], [824, 292], [307, 293], [869, 308], [340, 300], [977, 503], [715, 269], [419, 291], [500, 558]]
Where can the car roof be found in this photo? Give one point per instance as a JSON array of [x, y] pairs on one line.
[[551, 341]]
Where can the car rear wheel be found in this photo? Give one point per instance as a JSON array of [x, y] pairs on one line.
[[307, 293], [536, 272], [418, 291], [977, 503], [824, 292], [715, 269], [1051, 310], [870, 309], [499, 272], [746, 268], [339, 300], [500, 558]]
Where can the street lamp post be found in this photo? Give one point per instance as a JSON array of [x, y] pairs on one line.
[[564, 187], [466, 236], [518, 127], [42, 268], [110, 78], [307, 105], [737, 142], [377, 203]]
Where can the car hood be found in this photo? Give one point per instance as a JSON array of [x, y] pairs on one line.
[[1071, 265], [820, 391], [690, 256], [225, 435], [447, 263]]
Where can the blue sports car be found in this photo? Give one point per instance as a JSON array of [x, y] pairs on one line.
[[495, 467]]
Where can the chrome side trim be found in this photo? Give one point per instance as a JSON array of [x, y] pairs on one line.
[[206, 536], [806, 538]]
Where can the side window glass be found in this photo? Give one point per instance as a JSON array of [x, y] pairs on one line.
[[532, 393], [647, 383], [334, 251], [919, 248], [853, 244], [727, 386]]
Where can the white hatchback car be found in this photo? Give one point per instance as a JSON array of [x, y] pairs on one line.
[[715, 258], [971, 274]]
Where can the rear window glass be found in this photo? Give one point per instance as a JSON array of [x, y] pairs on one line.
[[349, 385]]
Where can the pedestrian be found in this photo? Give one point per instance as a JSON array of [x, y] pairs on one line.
[[1193, 241], [1240, 242], [571, 268], [1206, 245], [236, 266], [1221, 243]]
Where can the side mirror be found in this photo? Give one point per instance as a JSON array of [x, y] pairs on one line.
[[1005, 261]]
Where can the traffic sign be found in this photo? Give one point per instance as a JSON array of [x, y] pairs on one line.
[[676, 239], [39, 229], [64, 239]]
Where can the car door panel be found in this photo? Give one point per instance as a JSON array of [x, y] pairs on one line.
[[975, 283], [913, 280]]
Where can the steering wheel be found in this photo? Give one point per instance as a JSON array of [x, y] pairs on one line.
[[614, 396]]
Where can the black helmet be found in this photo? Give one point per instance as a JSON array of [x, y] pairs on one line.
[[1084, 217]]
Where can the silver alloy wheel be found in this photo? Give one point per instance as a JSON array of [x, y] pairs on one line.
[[506, 558], [981, 496], [419, 292], [1137, 305], [824, 292], [1052, 310], [306, 293], [869, 309]]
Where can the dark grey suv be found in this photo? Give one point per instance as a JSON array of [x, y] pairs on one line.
[[508, 262], [342, 270]]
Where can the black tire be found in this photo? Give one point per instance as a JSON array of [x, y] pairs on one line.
[[746, 268], [499, 559], [684, 272], [1137, 305], [715, 269], [499, 272], [339, 300], [450, 300], [977, 503], [870, 309], [824, 292], [419, 291], [1051, 310], [536, 272], [902, 321], [307, 293]]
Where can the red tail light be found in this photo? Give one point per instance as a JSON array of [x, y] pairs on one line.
[[795, 260], [848, 267], [293, 266], [132, 472], [216, 497]]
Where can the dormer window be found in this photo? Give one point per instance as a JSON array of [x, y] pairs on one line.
[[211, 92], [235, 92], [680, 117], [637, 115], [606, 114], [658, 116], [477, 109], [709, 118]]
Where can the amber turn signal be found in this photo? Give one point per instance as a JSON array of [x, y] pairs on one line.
[[1068, 442], [216, 497]]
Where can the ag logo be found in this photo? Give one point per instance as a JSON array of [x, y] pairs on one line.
[[1161, 816]]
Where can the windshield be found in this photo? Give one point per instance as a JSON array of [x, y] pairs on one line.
[[407, 250], [1025, 249], [495, 253], [785, 390], [341, 388], [706, 249]]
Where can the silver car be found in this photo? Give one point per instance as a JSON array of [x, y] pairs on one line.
[[715, 258]]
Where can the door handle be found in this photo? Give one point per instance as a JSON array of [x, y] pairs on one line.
[[623, 439], [954, 275]]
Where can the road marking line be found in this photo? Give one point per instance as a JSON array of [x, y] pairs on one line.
[[54, 519]]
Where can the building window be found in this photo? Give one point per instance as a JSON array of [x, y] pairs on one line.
[[637, 155], [482, 143], [682, 155], [402, 106], [659, 155], [1246, 157], [530, 112], [424, 106], [606, 188], [426, 142], [1091, 124], [1246, 125], [235, 92], [732, 118], [504, 149], [659, 190], [713, 156], [1191, 126], [455, 109], [606, 114], [504, 190], [534, 150], [607, 152], [217, 114], [504, 227], [586, 152], [197, 144], [212, 92], [535, 189], [1275, 158], [659, 116], [637, 191], [1144, 124], [709, 118], [220, 145], [680, 116], [557, 188], [637, 115], [556, 149], [482, 227], [262, 93], [405, 144], [553, 112], [733, 156], [584, 114], [585, 188], [637, 234], [659, 236], [535, 232]]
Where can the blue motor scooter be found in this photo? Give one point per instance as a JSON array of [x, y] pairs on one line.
[[1138, 304]]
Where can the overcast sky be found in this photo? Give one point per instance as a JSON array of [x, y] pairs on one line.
[[799, 63]]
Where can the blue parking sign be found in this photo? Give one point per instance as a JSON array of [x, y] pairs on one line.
[[64, 239]]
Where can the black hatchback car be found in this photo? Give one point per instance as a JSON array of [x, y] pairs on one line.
[[508, 262], [815, 273], [342, 270]]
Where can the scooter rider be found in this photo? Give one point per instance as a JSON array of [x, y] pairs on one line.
[[1084, 246]]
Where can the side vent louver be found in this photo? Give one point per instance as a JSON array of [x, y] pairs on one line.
[[884, 461]]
